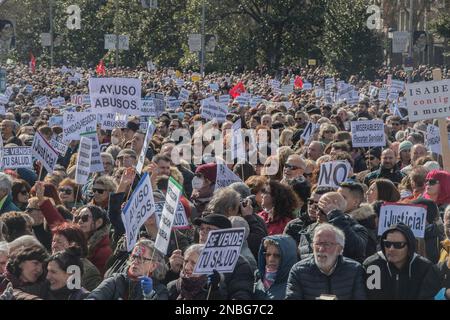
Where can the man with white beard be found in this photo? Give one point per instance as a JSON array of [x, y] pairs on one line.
[[327, 274]]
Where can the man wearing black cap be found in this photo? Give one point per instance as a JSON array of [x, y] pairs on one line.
[[130, 130], [239, 283]]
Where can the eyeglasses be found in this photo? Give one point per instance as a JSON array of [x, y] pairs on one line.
[[397, 245], [276, 255], [83, 218], [29, 210], [291, 167], [139, 258], [326, 245], [65, 190], [432, 182], [24, 192], [99, 191]]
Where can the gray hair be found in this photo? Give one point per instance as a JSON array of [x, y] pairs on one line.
[[4, 248], [108, 155], [239, 222], [224, 200], [5, 183], [25, 241], [161, 269], [195, 248], [338, 233], [242, 189]]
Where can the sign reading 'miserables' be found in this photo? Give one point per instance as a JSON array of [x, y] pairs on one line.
[[428, 100]]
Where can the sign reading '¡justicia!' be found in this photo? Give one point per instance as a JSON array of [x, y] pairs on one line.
[[121, 95]]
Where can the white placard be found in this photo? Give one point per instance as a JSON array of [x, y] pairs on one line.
[[211, 110], [433, 139], [309, 131], [75, 123], [428, 100], [414, 216], [368, 133], [221, 252], [238, 147], [83, 166], [61, 148], [168, 215], [43, 151], [57, 102], [184, 94], [180, 222], [41, 102], [17, 157], [121, 95], [225, 177], [400, 40], [148, 137], [333, 173], [139, 208], [96, 159]]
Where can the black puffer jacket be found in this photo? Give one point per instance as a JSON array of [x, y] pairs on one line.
[[239, 283], [418, 279], [307, 282], [355, 236], [258, 231], [366, 216]]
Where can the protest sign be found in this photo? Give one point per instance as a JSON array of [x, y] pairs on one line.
[[173, 103], [368, 133], [238, 147], [61, 148], [414, 216], [307, 86], [78, 99], [173, 194], [148, 107], [17, 157], [139, 208], [41, 102], [75, 123], [57, 102], [110, 121], [397, 86], [43, 151], [3, 100], [55, 121], [83, 166], [184, 94], [309, 131], [29, 88], [96, 160], [382, 94], [159, 103], [433, 139], [333, 173], [148, 137], [214, 86], [400, 41], [121, 95], [180, 221], [428, 100], [221, 251], [225, 177], [211, 110]]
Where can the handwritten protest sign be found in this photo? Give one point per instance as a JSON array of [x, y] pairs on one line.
[[433, 139], [414, 216], [139, 208], [121, 95], [96, 160], [225, 177], [221, 251], [57, 102], [180, 220], [76, 123], [168, 215], [309, 131], [368, 133], [211, 110], [41, 102], [43, 152], [17, 157], [333, 173], [61, 148]]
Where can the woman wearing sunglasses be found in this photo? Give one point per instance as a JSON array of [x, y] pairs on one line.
[[437, 188], [67, 191], [142, 280], [101, 188], [21, 193]]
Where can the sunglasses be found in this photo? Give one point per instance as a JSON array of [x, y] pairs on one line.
[[66, 191], [397, 245], [99, 191], [291, 167], [432, 182], [83, 218]]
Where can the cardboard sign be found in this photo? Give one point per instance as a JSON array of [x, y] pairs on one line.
[[43, 152], [61, 148], [79, 99], [211, 110], [121, 95], [333, 173], [57, 102], [368, 133], [433, 139], [159, 103], [148, 107], [309, 131], [76, 123], [17, 157], [41, 102], [139, 208], [428, 100], [225, 177], [173, 194], [414, 216], [221, 252], [180, 220], [184, 94], [83, 165], [96, 159], [397, 86]]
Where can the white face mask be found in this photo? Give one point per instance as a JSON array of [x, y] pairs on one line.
[[115, 141], [197, 183]]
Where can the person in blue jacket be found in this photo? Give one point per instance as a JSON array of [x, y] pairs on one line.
[[277, 255]]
